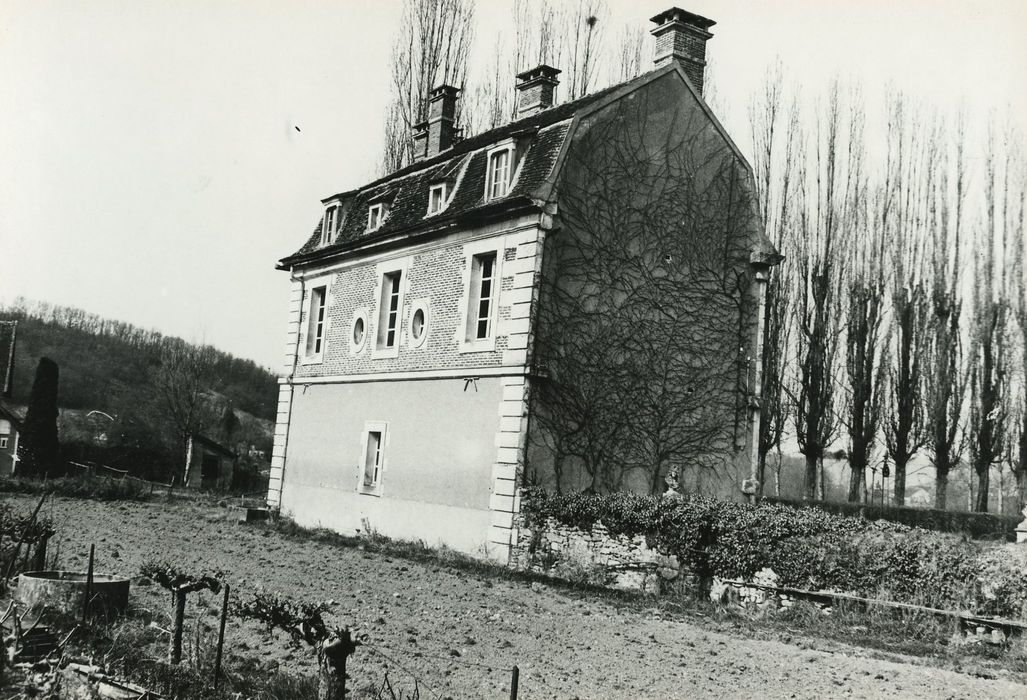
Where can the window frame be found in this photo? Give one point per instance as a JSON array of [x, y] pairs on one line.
[[378, 350], [360, 314], [382, 428], [510, 149], [383, 213], [309, 355], [443, 199], [421, 305], [328, 230], [470, 300], [4, 441]]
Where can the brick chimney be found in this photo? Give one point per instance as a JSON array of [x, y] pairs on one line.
[[681, 36], [441, 119], [536, 90], [420, 141]]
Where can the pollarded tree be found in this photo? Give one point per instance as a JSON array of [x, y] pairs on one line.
[[39, 445]]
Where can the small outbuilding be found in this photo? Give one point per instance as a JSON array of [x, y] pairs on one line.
[[211, 465]]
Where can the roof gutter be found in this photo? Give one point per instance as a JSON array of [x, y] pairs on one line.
[[410, 234]]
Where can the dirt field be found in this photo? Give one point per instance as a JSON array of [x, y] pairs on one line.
[[438, 623]]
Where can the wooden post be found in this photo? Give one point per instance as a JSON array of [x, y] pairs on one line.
[[175, 653], [515, 677], [39, 563], [171, 487], [89, 584], [221, 639]]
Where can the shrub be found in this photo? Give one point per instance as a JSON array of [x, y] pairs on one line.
[[978, 525], [80, 487], [807, 547]]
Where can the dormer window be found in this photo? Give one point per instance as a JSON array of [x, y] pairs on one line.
[[329, 225], [437, 197], [500, 168], [375, 217]]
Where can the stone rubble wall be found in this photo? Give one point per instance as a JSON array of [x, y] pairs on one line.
[[594, 556]]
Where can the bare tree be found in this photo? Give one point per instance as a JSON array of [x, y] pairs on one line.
[[865, 336], [776, 145], [904, 217], [989, 379], [184, 384], [945, 378], [629, 44], [828, 201], [431, 49], [1016, 242]]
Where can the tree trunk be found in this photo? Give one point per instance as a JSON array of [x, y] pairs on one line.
[[331, 666], [941, 485], [857, 475], [899, 485], [188, 459], [175, 652], [810, 482], [983, 485]]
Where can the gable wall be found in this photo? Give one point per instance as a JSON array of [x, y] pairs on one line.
[[604, 201]]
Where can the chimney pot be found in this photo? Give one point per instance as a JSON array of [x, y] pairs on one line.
[[681, 36], [536, 90]]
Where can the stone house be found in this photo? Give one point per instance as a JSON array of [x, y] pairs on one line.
[[10, 420], [434, 313]]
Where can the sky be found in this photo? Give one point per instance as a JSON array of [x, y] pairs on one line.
[[158, 158]]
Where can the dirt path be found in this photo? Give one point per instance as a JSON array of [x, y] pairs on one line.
[[435, 621]]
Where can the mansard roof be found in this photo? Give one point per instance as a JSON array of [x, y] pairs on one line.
[[541, 138], [464, 166]]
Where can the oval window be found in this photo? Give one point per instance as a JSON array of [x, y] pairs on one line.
[[417, 324], [358, 332]]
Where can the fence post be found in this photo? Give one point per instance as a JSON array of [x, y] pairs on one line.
[[89, 584], [221, 639], [175, 653], [515, 676]]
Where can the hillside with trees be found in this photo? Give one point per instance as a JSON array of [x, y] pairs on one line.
[[129, 397], [105, 362]]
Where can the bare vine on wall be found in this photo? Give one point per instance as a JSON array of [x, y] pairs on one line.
[[641, 334]]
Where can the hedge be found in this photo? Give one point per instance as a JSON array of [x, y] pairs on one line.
[[978, 525], [807, 548]]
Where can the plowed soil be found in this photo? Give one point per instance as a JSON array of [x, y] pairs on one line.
[[459, 633]]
